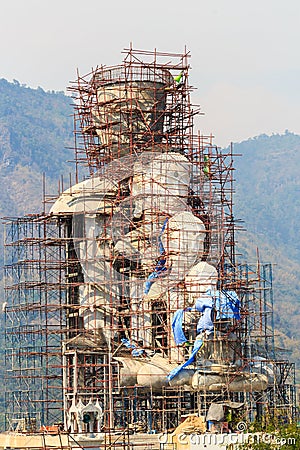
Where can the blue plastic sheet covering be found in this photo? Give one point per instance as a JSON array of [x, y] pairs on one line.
[[158, 272], [204, 305], [135, 350], [197, 346], [178, 333], [205, 323], [227, 305], [161, 265], [204, 302]]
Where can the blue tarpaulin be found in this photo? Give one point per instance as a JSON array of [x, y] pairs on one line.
[[227, 305], [203, 302], [197, 346], [205, 323], [204, 305], [135, 350], [158, 271], [178, 333], [160, 266]]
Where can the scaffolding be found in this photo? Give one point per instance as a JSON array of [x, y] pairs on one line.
[[110, 292]]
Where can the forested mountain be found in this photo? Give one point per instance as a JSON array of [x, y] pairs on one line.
[[36, 130], [268, 189], [268, 200]]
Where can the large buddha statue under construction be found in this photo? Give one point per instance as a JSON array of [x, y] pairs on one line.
[[152, 234]]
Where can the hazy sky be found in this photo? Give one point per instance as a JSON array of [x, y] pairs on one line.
[[245, 54]]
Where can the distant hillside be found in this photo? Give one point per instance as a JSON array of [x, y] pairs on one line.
[[268, 189], [35, 128], [268, 200]]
